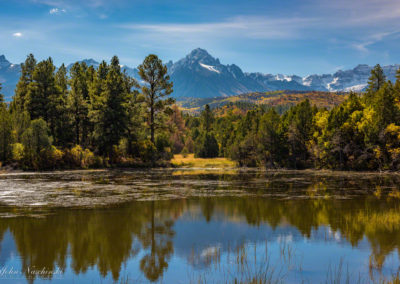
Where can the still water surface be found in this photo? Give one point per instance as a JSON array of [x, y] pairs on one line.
[[181, 226]]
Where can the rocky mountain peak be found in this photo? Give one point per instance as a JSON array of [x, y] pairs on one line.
[[200, 55], [4, 62], [90, 62]]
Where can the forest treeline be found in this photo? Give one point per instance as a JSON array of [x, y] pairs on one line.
[[86, 117], [362, 133]]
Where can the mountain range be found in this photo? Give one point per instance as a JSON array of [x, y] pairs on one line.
[[200, 75]]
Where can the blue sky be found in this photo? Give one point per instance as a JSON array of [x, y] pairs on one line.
[[270, 36]]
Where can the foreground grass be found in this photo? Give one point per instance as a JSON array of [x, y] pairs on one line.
[[190, 161]]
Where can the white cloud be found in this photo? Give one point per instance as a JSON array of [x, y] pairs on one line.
[[254, 27], [56, 11], [18, 34], [372, 39]]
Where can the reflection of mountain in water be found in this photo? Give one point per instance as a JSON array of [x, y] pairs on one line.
[[194, 229]]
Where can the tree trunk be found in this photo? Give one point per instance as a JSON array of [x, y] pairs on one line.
[[152, 123]]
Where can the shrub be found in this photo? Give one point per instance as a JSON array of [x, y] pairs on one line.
[[51, 158], [147, 150], [17, 152], [83, 158], [77, 155]]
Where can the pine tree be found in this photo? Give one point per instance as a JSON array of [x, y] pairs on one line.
[[62, 130], [376, 81], [111, 121], [5, 130], [21, 91], [397, 85], [157, 87], [41, 91], [1, 96], [207, 118], [78, 103], [135, 111], [271, 139]]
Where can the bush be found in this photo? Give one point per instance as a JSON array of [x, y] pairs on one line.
[[77, 155], [207, 146], [147, 150], [51, 158], [17, 152], [84, 158]]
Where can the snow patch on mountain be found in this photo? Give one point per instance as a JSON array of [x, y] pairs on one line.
[[329, 85], [209, 67], [356, 88], [281, 77]]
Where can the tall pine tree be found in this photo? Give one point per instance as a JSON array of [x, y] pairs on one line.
[[157, 87], [78, 103], [111, 119], [21, 91]]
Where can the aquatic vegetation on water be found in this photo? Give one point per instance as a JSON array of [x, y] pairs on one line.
[[110, 187]]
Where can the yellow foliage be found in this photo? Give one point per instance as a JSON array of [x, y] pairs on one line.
[[393, 130], [367, 120], [88, 159], [17, 152], [321, 119], [56, 154], [83, 158], [378, 152], [77, 153], [356, 116]]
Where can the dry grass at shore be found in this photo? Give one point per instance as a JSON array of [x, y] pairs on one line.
[[190, 161]]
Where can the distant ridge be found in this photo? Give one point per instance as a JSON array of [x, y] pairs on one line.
[[200, 75]]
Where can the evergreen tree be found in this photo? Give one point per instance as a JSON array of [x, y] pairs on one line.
[[21, 91], [385, 106], [376, 81], [207, 118], [206, 146], [5, 131], [157, 86], [135, 123], [1, 96], [271, 138], [42, 92], [62, 131], [299, 123], [111, 121], [78, 103], [397, 85]]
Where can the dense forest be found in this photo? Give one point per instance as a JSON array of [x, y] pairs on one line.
[[86, 117]]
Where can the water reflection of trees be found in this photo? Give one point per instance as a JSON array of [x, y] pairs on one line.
[[101, 238], [107, 238]]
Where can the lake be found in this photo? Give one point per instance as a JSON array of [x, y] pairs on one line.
[[199, 226]]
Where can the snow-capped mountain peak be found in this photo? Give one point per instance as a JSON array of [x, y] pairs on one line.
[[200, 75]]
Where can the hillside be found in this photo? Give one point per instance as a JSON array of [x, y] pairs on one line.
[[281, 100]]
